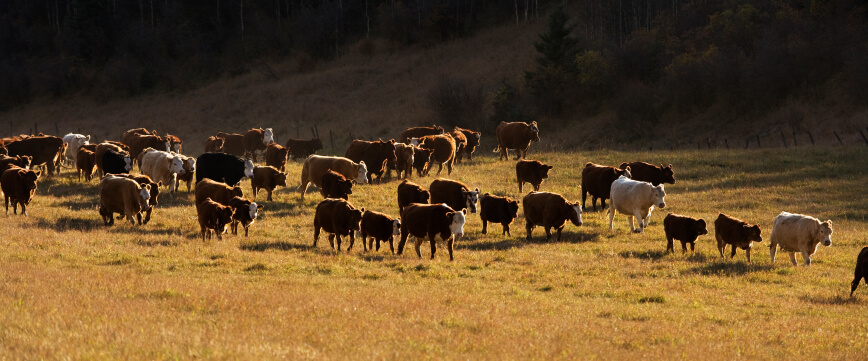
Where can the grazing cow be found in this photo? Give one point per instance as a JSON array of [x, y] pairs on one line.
[[436, 222], [138, 143], [161, 166], [276, 156], [214, 145], [403, 161], [233, 143], [472, 142], [409, 192], [217, 191], [223, 167], [256, 139], [515, 135], [597, 180], [6, 162], [636, 200], [381, 228], [861, 270], [549, 210], [683, 228], [154, 191], [245, 212], [300, 148], [419, 132], [19, 186], [124, 196], [99, 156], [338, 218], [116, 163], [315, 166], [175, 143], [460, 141], [374, 154], [650, 173], [47, 150], [799, 233], [189, 171], [454, 194], [421, 159], [267, 178], [335, 185], [531, 171], [85, 163], [442, 147], [496, 209], [73, 142], [738, 233], [213, 215], [128, 135]]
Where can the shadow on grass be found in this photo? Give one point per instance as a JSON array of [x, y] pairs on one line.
[[653, 255], [261, 246], [286, 209], [66, 224], [727, 268], [83, 205], [156, 243], [834, 300]]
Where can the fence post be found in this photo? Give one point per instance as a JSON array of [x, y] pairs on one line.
[[35, 129], [795, 142], [812, 137], [726, 143], [746, 143], [332, 137], [758, 144], [784, 139], [835, 132], [708, 142], [56, 129], [863, 136]]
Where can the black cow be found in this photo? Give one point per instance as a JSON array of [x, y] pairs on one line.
[[116, 163], [222, 167]]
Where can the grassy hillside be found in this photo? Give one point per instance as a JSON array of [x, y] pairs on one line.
[[74, 288]]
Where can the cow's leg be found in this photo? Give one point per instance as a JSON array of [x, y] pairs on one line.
[[611, 214], [449, 244], [746, 252], [602, 204], [733, 252], [439, 168], [805, 256], [417, 242], [401, 242], [640, 220], [23, 209], [391, 244], [139, 218], [131, 218], [7, 203], [584, 196], [793, 258], [484, 226], [219, 232], [433, 247], [338, 240], [203, 231], [692, 244], [520, 183], [315, 232], [506, 229], [548, 233], [148, 215], [253, 190], [853, 285], [670, 245], [528, 225], [559, 233], [721, 245], [246, 229], [536, 186], [352, 241], [630, 222], [269, 190], [773, 251]]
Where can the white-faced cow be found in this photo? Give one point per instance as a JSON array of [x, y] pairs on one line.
[[73, 142], [434, 222], [161, 167], [124, 196], [454, 194], [315, 166]]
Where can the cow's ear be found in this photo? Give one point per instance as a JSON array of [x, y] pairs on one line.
[[670, 166], [702, 222], [392, 141], [464, 210], [160, 184], [38, 173], [829, 222], [259, 206], [477, 190], [362, 210], [627, 169]]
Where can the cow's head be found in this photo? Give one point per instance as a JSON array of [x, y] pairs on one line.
[[248, 168], [190, 164], [168, 145], [317, 144], [237, 192], [754, 233], [280, 179], [23, 161], [470, 199], [424, 196], [30, 178], [535, 130], [700, 227], [575, 213], [217, 144], [154, 192], [824, 233], [176, 165], [355, 218], [145, 197], [128, 163], [268, 136], [624, 172], [86, 140], [362, 176], [658, 195], [396, 227], [456, 224], [544, 171], [512, 207], [667, 175], [345, 187]]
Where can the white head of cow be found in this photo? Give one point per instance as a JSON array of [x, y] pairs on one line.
[[176, 147], [168, 146], [176, 165], [825, 232], [191, 163], [253, 208], [129, 162], [457, 225], [577, 208], [471, 198], [145, 193], [396, 227], [658, 195], [268, 137], [248, 168], [87, 139], [414, 141], [363, 173]]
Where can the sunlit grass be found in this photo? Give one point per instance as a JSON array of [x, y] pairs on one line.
[[72, 287]]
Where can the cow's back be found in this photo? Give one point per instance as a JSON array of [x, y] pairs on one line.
[[116, 192], [535, 204], [448, 191], [217, 191], [315, 166]]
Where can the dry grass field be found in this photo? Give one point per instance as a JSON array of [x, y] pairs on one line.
[[73, 288]]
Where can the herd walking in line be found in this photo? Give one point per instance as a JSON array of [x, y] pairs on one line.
[[434, 214]]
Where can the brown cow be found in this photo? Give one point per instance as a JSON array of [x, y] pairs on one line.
[[217, 191], [91, 147], [738, 233], [315, 166], [213, 144], [436, 222], [124, 196], [139, 143], [338, 218], [861, 270], [128, 135], [335, 185], [256, 139], [213, 215], [85, 162], [403, 161], [244, 213], [409, 192], [47, 150], [496, 209], [189, 170], [276, 156], [460, 141], [550, 210], [515, 135], [650, 173], [531, 171], [381, 228], [374, 154], [102, 149], [442, 147], [18, 185], [267, 178], [421, 159], [454, 194], [683, 228], [233, 143], [175, 143], [300, 148], [597, 180], [153, 191], [472, 142], [22, 161], [419, 132]]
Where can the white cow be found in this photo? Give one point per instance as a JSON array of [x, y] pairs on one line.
[[799, 233], [73, 142], [635, 199], [161, 166]]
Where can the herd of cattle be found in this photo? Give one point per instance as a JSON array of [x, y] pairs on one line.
[[434, 214]]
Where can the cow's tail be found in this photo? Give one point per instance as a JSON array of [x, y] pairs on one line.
[[496, 149]]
